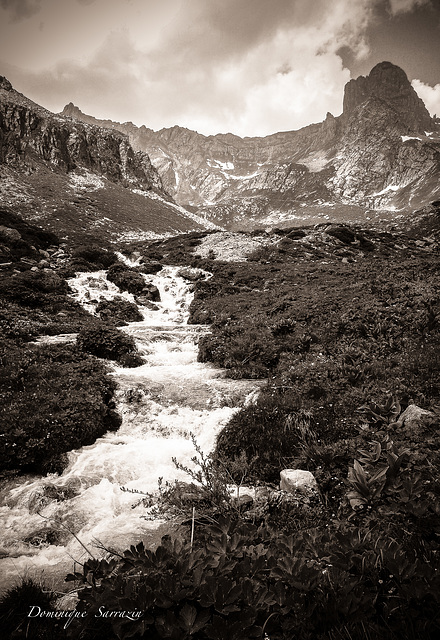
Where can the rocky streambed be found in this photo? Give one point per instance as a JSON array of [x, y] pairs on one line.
[[52, 523]]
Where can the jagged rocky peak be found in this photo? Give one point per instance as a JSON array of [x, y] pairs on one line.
[[389, 83], [71, 110]]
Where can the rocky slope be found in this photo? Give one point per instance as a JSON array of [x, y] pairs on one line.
[[79, 177], [381, 154]]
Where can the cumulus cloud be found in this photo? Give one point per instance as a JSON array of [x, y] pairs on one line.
[[251, 67], [20, 9], [429, 95]]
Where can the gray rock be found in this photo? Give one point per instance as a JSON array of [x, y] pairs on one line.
[[192, 274], [97, 284], [416, 419], [10, 234], [146, 302]]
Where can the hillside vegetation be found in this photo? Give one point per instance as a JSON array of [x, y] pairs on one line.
[[343, 324]]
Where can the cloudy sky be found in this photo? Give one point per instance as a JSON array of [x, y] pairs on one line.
[[251, 67]]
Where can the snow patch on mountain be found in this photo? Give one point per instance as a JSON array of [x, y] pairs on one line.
[[390, 187]]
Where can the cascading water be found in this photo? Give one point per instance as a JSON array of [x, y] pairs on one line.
[[47, 522]]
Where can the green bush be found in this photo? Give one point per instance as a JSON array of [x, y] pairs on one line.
[[149, 266], [248, 350], [34, 289], [265, 433], [53, 399], [105, 341], [15, 606]]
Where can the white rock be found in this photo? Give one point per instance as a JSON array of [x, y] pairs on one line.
[[298, 480]]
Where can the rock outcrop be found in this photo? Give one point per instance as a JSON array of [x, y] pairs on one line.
[[78, 177], [30, 134], [382, 153]]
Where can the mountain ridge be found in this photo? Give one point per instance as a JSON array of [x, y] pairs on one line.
[[238, 181], [79, 177]]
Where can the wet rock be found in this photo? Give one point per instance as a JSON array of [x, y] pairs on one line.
[[150, 267], [97, 284], [146, 302], [48, 493], [298, 481], [150, 292], [191, 274], [42, 537]]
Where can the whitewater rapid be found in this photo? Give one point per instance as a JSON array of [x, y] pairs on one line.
[[49, 523]]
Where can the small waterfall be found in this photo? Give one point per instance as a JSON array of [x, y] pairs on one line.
[[47, 521]]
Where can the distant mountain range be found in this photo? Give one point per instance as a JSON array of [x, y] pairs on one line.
[[78, 174], [380, 157], [80, 179]]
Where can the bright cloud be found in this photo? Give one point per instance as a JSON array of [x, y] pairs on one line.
[[430, 96]]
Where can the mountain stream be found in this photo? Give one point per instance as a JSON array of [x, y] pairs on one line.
[[48, 522]]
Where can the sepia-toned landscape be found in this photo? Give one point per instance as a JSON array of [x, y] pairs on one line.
[[219, 352]]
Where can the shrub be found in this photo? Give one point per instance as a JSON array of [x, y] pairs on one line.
[[118, 310], [105, 341], [53, 399], [126, 279], [263, 433], [34, 289], [149, 266], [249, 350], [240, 581], [97, 256]]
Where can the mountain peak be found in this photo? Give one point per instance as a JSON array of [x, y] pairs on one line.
[[71, 110], [389, 83]]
